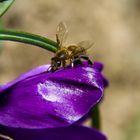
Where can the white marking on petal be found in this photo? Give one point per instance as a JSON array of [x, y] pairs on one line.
[[48, 94], [91, 75]]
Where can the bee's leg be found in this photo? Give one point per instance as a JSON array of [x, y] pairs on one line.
[[63, 63], [86, 58], [76, 61], [49, 69], [52, 68], [71, 63]]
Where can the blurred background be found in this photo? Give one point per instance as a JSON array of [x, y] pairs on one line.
[[114, 26]]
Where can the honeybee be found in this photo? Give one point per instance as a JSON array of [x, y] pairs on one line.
[[69, 55]]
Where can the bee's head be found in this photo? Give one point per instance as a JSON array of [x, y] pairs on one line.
[[55, 62]]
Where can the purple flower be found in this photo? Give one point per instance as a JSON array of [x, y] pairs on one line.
[[39, 99], [73, 132]]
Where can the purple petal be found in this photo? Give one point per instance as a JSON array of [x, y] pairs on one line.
[[40, 99], [66, 133], [29, 74], [99, 67]]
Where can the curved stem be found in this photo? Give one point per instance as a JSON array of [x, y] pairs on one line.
[[95, 116], [29, 38]]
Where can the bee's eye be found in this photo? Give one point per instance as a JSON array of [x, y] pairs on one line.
[[58, 62]]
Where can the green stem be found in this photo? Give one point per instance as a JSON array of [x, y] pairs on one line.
[[29, 38], [95, 116]]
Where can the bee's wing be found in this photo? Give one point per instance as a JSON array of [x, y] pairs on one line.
[[61, 33], [86, 44]]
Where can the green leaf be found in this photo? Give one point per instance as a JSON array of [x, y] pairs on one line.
[[4, 5]]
